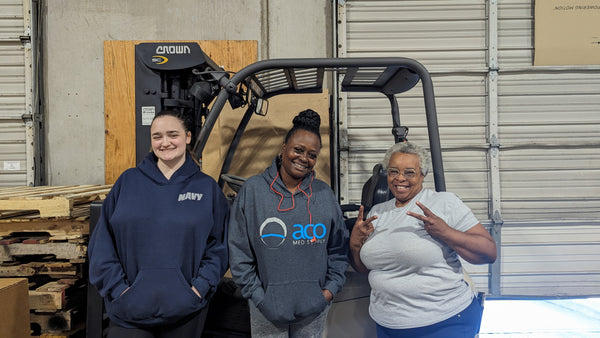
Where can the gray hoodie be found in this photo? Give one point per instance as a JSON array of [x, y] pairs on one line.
[[284, 249]]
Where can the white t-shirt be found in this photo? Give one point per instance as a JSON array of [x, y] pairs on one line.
[[415, 279]]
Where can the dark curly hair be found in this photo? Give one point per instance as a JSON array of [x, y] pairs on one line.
[[308, 120]]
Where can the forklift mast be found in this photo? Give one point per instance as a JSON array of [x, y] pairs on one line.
[[176, 76], [180, 76], [264, 79]]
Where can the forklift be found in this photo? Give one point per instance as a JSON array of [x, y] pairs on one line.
[[194, 84]]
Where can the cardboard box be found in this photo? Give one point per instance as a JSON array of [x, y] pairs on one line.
[[567, 32], [14, 307]]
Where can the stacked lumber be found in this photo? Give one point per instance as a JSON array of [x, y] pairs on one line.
[[44, 233]]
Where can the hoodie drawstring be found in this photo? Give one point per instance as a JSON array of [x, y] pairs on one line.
[[308, 196]]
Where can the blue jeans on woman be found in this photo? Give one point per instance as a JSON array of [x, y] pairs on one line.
[[463, 325]]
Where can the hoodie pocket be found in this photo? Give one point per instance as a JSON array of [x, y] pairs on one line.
[[157, 296], [292, 302]]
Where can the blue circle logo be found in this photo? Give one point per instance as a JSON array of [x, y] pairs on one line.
[[273, 232]]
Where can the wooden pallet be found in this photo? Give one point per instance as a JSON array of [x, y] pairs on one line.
[[55, 228], [74, 252], [57, 295], [57, 322], [77, 332], [53, 269], [48, 297], [48, 201]]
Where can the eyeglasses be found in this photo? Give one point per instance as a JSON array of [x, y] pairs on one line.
[[408, 174]]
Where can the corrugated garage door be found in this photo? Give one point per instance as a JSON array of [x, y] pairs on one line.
[[16, 167], [520, 143]]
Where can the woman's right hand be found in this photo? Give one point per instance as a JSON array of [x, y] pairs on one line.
[[360, 232], [362, 229]]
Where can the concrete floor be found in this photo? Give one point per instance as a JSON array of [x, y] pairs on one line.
[[559, 318]]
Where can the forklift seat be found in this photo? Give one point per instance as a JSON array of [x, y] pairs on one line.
[[374, 191]]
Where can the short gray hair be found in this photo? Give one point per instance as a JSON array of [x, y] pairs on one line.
[[409, 148]]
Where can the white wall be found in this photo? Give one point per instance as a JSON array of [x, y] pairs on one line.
[[74, 31]]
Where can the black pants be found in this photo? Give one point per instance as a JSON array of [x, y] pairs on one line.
[[190, 326]]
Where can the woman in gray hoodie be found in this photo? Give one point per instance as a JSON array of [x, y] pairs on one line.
[[288, 243]]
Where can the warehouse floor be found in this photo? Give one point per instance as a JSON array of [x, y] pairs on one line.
[[564, 318]]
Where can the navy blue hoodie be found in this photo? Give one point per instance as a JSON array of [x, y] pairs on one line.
[[159, 237], [284, 249]]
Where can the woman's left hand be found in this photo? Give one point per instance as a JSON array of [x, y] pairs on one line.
[[475, 245], [434, 225], [328, 295]]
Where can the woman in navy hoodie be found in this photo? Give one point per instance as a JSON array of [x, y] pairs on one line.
[[159, 248], [287, 240]]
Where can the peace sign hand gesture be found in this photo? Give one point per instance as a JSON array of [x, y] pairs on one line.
[[360, 232], [434, 225], [475, 245], [362, 229]]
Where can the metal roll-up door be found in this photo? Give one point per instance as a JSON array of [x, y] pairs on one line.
[[519, 143], [449, 39], [549, 163], [15, 132]]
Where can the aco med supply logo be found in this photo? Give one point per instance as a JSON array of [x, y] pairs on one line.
[[273, 233]]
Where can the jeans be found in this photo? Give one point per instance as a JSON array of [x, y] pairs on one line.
[[263, 328], [463, 325]]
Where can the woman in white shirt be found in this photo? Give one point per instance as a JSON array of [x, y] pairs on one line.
[[410, 246]]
